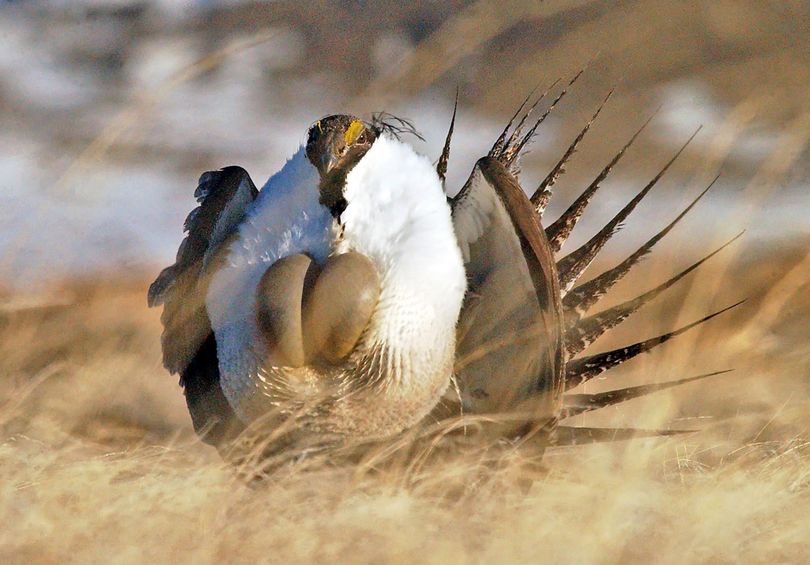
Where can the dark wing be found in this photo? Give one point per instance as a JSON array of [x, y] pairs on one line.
[[510, 348], [189, 346]]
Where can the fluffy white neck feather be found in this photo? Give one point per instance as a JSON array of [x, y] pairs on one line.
[[397, 215]]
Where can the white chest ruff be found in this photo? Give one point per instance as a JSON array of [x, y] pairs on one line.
[[397, 216]]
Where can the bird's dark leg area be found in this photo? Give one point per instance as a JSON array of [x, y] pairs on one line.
[[311, 314], [211, 415]]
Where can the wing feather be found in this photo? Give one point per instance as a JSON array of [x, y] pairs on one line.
[[224, 196], [188, 342], [510, 345]]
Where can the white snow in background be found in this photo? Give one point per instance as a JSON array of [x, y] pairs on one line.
[[688, 104], [127, 212]]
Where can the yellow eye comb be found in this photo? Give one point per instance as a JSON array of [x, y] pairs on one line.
[[353, 131]]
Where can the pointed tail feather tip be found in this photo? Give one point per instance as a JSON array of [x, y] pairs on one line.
[[586, 331], [559, 168], [516, 152], [516, 133], [572, 266], [506, 150], [558, 232], [441, 166], [501, 140], [575, 404], [583, 369], [580, 299]]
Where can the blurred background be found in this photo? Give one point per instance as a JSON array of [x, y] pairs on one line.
[[111, 109]]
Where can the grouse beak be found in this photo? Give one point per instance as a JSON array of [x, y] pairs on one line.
[[331, 154], [328, 162]]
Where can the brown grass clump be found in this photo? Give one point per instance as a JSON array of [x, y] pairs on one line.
[[98, 461]]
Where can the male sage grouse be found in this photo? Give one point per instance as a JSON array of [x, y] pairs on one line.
[[348, 293]]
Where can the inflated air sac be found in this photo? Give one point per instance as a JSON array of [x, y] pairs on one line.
[[310, 314], [279, 304], [339, 306]]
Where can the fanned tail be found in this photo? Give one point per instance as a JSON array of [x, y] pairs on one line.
[[583, 369], [543, 193], [583, 333], [581, 298], [573, 265], [558, 232], [575, 404]]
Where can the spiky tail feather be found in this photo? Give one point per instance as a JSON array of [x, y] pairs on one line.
[[577, 301], [575, 404], [569, 435], [509, 152], [558, 232], [517, 133], [441, 166], [573, 265], [500, 143], [543, 193], [583, 369], [518, 149], [582, 334]]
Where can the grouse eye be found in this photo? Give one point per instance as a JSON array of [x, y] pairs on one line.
[[361, 138]]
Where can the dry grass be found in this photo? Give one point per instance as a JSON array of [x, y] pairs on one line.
[[98, 461]]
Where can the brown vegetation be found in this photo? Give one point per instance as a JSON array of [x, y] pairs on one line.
[[98, 460]]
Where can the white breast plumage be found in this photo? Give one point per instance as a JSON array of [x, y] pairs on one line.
[[397, 215]]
